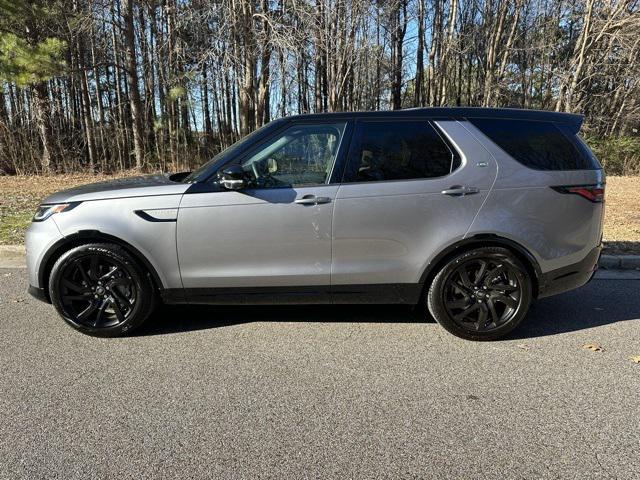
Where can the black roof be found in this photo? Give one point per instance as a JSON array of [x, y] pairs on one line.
[[458, 113]]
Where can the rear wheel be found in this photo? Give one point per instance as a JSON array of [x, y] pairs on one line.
[[482, 294], [100, 290]]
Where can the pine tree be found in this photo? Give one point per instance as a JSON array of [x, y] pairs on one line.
[[29, 58]]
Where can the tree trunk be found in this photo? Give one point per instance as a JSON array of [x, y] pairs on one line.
[[99, 100], [398, 29], [494, 42], [86, 107], [132, 79], [262, 104], [208, 129], [566, 95], [42, 111], [451, 23], [432, 95], [245, 52], [417, 94]]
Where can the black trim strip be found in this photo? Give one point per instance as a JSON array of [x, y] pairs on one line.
[[38, 293], [401, 293], [571, 276], [481, 240], [86, 236], [145, 216]]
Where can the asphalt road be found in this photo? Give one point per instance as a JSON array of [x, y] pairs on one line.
[[327, 392]]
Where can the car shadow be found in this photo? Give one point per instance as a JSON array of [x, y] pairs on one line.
[[589, 307], [599, 303], [183, 318]]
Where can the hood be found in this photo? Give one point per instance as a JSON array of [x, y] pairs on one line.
[[141, 186]]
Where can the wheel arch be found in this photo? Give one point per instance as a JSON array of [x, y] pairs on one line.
[[486, 240], [84, 237]]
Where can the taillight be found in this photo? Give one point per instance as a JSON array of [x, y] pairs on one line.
[[593, 193]]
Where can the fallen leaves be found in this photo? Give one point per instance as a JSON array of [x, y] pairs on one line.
[[594, 347]]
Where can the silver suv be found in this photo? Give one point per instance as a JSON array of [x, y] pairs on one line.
[[470, 214]]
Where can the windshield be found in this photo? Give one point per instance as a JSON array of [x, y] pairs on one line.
[[202, 172]]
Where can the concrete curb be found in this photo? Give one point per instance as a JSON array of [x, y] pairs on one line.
[[12, 256], [620, 262], [11, 249]]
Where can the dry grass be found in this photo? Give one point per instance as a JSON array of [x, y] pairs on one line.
[[622, 215], [20, 195]]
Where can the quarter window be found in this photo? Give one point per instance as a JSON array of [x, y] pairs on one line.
[[301, 155], [399, 150], [538, 145]]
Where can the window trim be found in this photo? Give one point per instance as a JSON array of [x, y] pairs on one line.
[[348, 127], [356, 139]]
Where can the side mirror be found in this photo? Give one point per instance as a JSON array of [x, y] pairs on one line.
[[232, 177], [272, 165]]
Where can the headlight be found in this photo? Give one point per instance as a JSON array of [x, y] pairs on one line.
[[45, 211]]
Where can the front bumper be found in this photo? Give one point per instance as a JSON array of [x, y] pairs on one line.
[[39, 239], [38, 293], [570, 277]]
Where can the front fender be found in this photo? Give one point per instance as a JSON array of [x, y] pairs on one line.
[[155, 241]]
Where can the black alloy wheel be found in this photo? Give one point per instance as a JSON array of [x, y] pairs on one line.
[[99, 289], [481, 294]]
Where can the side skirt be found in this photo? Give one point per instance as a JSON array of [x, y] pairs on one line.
[[398, 293]]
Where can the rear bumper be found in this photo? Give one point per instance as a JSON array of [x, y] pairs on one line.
[[38, 293], [570, 277]]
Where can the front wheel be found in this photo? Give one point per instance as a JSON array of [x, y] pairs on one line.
[[100, 290], [482, 294]]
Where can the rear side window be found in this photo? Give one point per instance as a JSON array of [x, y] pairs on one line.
[[538, 145], [398, 150]]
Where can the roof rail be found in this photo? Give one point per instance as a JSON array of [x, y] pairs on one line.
[[572, 120]]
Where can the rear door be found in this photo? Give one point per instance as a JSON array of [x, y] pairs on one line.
[[410, 188]]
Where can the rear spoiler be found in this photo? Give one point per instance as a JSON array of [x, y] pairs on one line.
[[575, 126]]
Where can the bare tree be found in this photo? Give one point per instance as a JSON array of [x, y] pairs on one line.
[[165, 84], [132, 79]]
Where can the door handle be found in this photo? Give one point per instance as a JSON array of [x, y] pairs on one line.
[[311, 200], [460, 191]]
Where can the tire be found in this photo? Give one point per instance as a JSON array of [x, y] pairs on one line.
[[481, 303], [100, 290]]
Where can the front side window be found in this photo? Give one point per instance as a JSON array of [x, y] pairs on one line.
[[301, 155], [399, 150]]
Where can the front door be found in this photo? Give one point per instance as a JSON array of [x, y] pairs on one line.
[[272, 237]]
